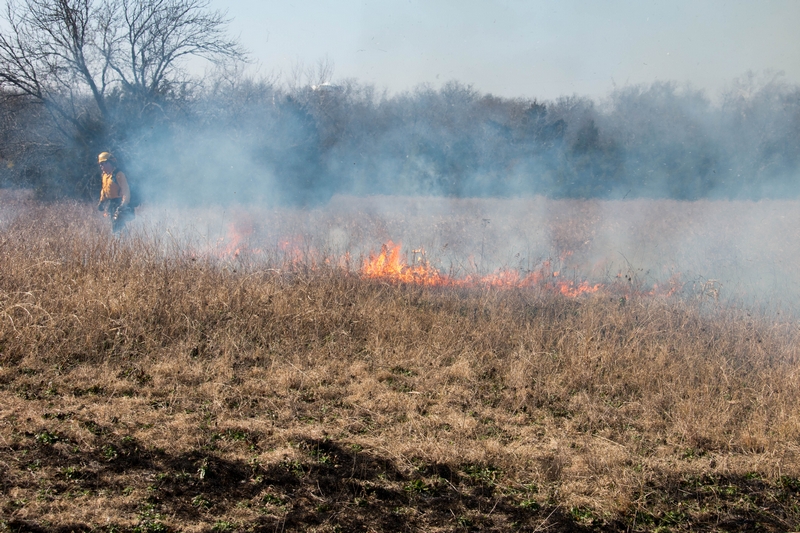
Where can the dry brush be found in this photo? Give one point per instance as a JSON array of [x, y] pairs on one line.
[[147, 388]]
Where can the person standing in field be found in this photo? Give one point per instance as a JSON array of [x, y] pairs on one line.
[[115, 194]]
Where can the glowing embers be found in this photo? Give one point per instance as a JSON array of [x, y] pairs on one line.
[[390, 265]]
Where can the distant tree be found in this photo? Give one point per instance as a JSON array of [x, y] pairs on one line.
[[667, 134], [762, 118]]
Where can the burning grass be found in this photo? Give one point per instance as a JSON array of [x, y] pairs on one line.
[[144, 387], [390, 265]]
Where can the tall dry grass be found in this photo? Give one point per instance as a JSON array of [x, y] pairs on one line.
[[145, 387]]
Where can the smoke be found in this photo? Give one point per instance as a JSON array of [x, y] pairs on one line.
[[727, 250], [256, 142], [649, 183], [301, 145]]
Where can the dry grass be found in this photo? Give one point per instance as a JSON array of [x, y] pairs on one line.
[[146, 388]]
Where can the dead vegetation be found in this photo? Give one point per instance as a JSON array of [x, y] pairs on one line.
[[144, 388]]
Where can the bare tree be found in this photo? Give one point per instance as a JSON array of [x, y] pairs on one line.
[[45, 53], [71, 54], [144, 40], [304, 76]]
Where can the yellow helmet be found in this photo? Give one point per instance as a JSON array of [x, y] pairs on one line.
[[105, 156]]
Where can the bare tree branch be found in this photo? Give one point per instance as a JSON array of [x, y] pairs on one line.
[[156, 34], [67, 54]]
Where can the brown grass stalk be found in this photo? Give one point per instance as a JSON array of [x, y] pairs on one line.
[[146, 388]]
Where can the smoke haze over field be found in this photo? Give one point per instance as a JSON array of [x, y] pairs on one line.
[[255, 142], [735, 250]]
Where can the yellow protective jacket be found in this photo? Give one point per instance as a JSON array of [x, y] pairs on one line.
[[115, 185]]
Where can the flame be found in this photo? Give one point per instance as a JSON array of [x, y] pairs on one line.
[[571, 289], [669, 288], [390, 265], [292, 250], [237, 238]]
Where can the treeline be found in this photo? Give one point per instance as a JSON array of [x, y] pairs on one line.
[[78, 77], [245, 140]]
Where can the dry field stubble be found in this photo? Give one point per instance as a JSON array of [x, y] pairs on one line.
[[144, 387]]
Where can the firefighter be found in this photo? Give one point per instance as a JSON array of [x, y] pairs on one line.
[[115, 194]]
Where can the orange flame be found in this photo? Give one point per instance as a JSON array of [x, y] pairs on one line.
[[236, 239], [390, 265], [292, 250], [568, 288]]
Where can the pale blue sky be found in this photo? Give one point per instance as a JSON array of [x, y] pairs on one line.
[[541, 49]]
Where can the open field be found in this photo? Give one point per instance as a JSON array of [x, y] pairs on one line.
[[243, 376]]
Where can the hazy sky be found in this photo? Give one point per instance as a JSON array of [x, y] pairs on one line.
[[541, 49]]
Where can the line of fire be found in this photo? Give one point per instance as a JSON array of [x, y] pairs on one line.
[[389, 264]]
